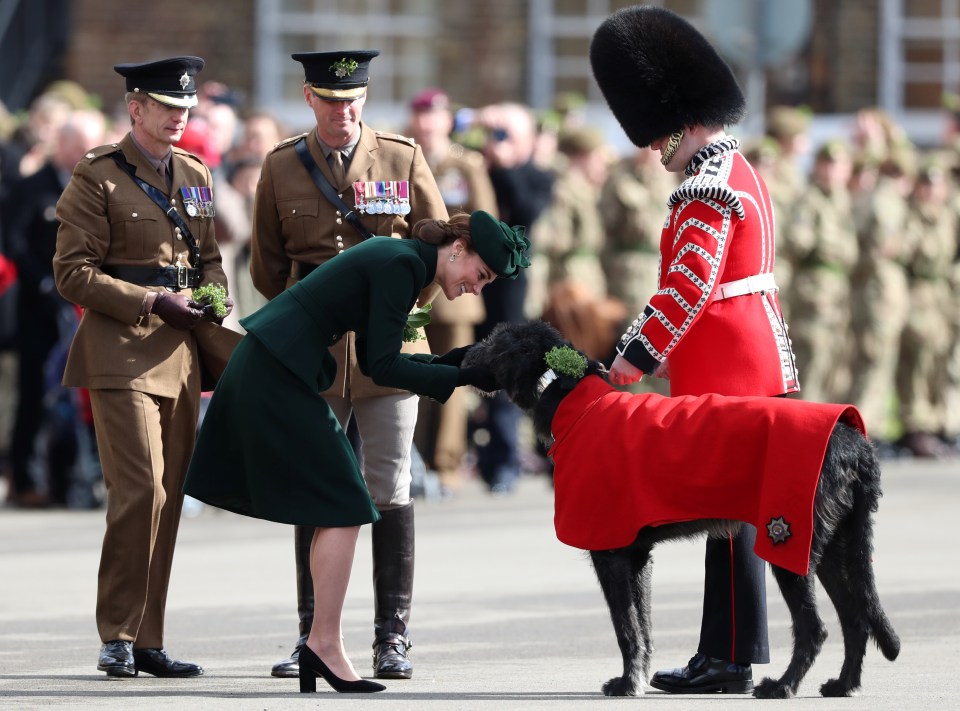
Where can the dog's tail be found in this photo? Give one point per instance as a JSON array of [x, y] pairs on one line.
[[883, 634], [869, 490]]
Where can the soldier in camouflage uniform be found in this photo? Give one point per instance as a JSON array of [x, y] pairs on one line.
[[822, 249], [931, 237], [880, 294], [787, 139], [569, 290], [632, 206], [569, 235]]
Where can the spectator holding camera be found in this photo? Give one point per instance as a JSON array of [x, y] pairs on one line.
[[522, 190]]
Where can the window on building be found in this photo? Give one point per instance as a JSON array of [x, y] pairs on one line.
[[401, 29], [927, 37]]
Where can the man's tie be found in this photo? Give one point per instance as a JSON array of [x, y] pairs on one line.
[[336, 166], [164, 175]]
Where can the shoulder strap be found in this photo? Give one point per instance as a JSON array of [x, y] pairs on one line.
[[163, 203], [320, 180]]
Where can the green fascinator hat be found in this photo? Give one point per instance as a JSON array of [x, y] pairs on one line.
[[501, 247]]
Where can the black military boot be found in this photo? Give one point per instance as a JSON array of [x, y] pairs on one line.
[[392, 589], [303, 536]]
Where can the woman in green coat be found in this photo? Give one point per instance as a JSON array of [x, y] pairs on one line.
[[270, 447]]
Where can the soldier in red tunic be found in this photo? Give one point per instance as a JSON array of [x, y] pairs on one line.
[[714, 324]]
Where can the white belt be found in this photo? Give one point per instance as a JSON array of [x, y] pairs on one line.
[[749, 285]]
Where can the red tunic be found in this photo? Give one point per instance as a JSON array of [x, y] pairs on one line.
[[720, 230], [624, 461]]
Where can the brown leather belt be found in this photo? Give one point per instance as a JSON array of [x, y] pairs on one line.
[[304, 268]]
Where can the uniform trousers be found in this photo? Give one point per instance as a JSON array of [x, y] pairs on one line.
[[145, 444], [734, 624], [386, 424], [441, 434]]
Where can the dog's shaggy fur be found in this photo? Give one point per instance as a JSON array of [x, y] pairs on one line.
[[840, 555]]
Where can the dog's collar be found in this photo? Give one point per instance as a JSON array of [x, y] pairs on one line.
[[545, 380]]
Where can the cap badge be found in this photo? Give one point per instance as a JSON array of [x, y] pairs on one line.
[[778, 530], [184, 80], [344, 68]]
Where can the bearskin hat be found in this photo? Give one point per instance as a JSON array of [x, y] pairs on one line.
[[659, 74]]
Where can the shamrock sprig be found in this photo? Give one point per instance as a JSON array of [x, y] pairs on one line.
[[214, 295], [344, 67], [416, 320], [564, 360]]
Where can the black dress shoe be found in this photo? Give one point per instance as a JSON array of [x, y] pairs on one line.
[[390, 657], [313, 666], [705, 675], [158, 663], [116, 658], [289, 668]]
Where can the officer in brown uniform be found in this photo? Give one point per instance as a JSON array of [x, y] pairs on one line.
[[461, 175], [384, 186], [132, 268]]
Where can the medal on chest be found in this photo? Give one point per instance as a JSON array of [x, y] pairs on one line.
[[382, 197], [198, 201]]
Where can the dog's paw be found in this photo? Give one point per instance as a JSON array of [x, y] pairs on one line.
[[834, 688], [772, 689], [621, 686]]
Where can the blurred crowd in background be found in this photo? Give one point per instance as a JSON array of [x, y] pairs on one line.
[[868, 263]]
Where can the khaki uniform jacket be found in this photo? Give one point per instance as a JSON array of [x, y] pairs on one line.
[[294, 222], [465, 186], [107, 219]]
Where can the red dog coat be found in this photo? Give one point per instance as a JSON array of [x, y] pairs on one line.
[[624, 461]]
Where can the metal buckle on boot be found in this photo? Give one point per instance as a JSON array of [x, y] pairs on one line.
[[390, 657]]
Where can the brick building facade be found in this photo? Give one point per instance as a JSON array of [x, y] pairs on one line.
[[480, 56], [496, 50]]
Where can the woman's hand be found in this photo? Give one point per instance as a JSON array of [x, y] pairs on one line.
[[454, 356], [479, 377], [623, 372]]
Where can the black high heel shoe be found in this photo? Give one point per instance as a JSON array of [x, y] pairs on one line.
[[311, 666]]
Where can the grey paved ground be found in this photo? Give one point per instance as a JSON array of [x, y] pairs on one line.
[[506, 617]]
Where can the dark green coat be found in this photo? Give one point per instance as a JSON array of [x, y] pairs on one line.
[[269, 446]]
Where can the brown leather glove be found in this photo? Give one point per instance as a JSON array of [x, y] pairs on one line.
[[209, 314], [176, 312]]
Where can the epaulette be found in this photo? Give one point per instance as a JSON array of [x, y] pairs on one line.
[[707, 187], [288, 141], [187, 154], [100, 152], [396, 137]]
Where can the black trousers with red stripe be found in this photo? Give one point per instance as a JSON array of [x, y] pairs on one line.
[[734, 624]]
